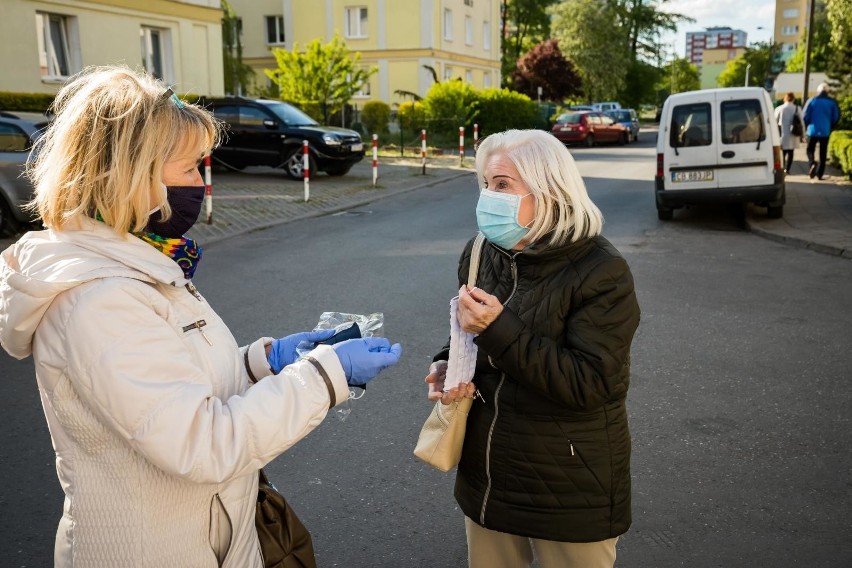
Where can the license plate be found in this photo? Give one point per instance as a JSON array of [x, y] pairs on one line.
[[696, 175], [567, 128], [356, 147]]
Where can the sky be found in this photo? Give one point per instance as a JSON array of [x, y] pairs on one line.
[[746, 15]]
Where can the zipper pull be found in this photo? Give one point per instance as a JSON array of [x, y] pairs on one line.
[[479, 395], [194, 291], [198, 325], [572, 448]]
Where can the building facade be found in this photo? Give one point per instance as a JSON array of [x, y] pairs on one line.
[[403, 39], [712, 38], [715, 61], [47, 41], [791, 24]]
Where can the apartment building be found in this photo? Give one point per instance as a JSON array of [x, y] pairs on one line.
[[791, 24], [47, 41], [712, 38], [403, 39], [714, 61]]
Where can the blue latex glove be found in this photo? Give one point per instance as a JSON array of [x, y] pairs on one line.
[[283, 351], [364, 358]]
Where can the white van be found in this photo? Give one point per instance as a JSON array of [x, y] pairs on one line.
[[719, 145], [603, 107]]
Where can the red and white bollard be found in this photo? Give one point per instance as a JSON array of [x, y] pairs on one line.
[[306, 169], [375, 158], [423, 149], [208, 189], [475, 137], [461, 145]]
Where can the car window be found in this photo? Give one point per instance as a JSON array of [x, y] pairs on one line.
[[251, 116], [690, 126], [594, 118], [13, 139], [742, 122], [291, 115], [607, 120], [570, 118], [620, 115], [227, 113]]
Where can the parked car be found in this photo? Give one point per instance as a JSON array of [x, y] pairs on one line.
[[605, 106], [588, 128], [18, 132], [271, 133], [627, 117], [580, 107], [719, 145]]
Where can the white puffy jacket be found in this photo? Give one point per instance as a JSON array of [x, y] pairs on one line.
[[157, 427]]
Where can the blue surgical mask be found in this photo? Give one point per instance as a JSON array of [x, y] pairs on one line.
[[497, 217]]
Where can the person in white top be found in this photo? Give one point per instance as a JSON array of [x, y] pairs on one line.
[[784, 116], [159, 420]]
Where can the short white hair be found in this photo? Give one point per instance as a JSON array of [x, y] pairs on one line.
[[823, 88], [564, 210]]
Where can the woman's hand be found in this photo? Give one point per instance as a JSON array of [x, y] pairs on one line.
[[477, 309], [435, 380]]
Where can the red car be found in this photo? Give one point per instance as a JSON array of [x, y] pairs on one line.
[[589, 128]]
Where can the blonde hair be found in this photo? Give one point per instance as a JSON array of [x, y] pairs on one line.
[[563, 207], [103, 154]]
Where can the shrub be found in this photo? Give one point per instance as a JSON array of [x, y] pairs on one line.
[[448, 106], [36, 102], [840, 151], [375, 116], [412, 117], [502, 109], [845, 104]]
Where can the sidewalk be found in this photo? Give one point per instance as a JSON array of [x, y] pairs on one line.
[[817, 215], [263, 197]]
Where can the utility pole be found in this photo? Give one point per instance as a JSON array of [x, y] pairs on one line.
[[812, 4]]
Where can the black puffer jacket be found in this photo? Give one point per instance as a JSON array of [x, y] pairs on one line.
[[547, 454]]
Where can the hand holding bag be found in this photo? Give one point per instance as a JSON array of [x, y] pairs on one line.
[[284, 540], [442, 435]]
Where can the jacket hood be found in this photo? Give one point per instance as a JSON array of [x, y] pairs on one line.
[[43, 264]]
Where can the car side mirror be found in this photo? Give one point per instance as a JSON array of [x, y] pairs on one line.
[[270, 123]]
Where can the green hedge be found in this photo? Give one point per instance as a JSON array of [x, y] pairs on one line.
[[35, 102], [840, 151]]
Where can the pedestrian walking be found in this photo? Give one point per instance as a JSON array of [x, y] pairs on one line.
[[821, 117], [159, 420], [788, 116], [545, 466]]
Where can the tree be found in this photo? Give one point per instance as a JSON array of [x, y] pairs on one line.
[[760, 56], [820, 50], [525, 24], [238, 75], [322, 78], [678, 76], [840, 64], [544, 66]]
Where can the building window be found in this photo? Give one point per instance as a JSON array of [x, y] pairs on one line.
[[791, 13], [156, 52], [486, 79], [468, 3], [486, 36], [54, 53], [356, 22], [448, 24], [448, 72], [365, 90], [468, 76], [274, 30], [790, 30], [468, 30]]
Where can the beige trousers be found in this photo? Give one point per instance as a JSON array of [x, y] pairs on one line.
[[493, 549]]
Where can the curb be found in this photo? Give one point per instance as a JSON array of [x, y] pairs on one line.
[[355, 202], [798, 242]]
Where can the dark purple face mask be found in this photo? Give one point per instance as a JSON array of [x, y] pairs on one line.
[[185, 202]]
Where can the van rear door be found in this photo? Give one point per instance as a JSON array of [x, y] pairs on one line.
[[745, 148], [690, 145]]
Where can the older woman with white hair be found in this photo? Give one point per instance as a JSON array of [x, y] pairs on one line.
[[545, 468]]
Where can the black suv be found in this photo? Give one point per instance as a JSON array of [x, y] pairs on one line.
[[270, 133]]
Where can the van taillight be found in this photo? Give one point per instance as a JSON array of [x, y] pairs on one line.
[[659, 165], [776, 158]]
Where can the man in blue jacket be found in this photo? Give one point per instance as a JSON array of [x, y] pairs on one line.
[[821, 116]]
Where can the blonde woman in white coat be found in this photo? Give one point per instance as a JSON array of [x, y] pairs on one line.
[[159, 420], [784, 117]]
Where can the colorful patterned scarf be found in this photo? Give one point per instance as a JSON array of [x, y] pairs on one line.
[[185, 252]]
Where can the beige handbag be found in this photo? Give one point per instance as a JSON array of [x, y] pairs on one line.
[[442, 436]]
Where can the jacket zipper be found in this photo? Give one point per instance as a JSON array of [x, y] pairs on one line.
[[198, 325], [194, 291], [496, 405], [221, 506]]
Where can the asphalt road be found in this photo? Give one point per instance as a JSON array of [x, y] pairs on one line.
[[739, 403]]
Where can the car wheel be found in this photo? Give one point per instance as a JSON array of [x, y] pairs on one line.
[[339, 170], [636, 137], [775, 212], [622, 139], [294, 165], [665, 213], [590, 141], [8, 224]]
